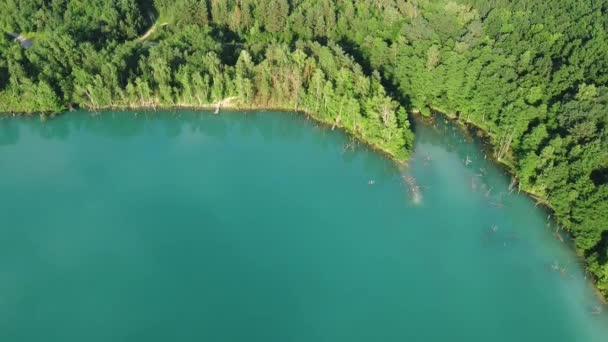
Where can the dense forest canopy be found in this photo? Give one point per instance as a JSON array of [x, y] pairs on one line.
[[533, 74]]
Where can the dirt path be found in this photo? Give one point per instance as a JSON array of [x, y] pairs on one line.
[[150, 31], [26, 43]]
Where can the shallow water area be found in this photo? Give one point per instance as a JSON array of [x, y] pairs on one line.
[[263, 226]]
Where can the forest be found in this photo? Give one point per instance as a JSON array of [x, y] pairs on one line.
[[531, 74]]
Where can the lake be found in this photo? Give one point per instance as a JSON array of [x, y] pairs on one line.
[[263, 226]]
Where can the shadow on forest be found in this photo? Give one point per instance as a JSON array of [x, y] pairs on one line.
[[231, 44], [354, 50], [599, 177], [601, 248]]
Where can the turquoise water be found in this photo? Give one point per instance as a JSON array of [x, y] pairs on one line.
[[265, 227]]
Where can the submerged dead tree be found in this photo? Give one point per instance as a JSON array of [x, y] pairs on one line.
[[414, 189], [512, 185], [557, 235], [350, 145]]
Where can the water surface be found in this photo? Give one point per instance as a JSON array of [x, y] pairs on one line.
[[264, 227]]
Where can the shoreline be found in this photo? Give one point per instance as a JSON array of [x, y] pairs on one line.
[[468, 128], [227, 104], [476, 132]]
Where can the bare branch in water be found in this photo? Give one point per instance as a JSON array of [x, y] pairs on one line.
[[596, 310], [489, 191], [558, 235], [496, 204]]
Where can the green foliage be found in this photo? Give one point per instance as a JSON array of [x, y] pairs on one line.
[[532, 73]]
